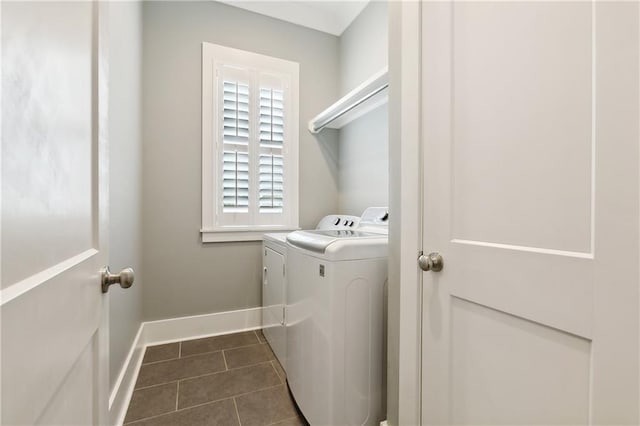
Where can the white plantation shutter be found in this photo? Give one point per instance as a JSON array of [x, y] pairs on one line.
[[235, 158], [271, 174], [250, 143], [236, 112], [271, 183], [235, 177], [271, 117]]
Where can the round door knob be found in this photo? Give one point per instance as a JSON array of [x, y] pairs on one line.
[[124, 278], [431, 262]]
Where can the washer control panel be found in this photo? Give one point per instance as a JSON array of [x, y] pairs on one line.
[[338, 221]]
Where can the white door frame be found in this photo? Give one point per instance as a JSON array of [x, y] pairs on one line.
[[405, 208]]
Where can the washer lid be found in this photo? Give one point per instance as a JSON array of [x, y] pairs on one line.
[[341, 244]]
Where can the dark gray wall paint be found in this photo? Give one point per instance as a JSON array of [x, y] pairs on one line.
[[182, 275], [364, 143], [125, 179]]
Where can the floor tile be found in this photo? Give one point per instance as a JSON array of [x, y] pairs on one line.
[[265, 407], [226, 384], [293, 421], [182, 368], [152, 402], [273, 355], [216, 343], [248, 355], [161, 352], [279, 370], [222, 413], [261, 337]]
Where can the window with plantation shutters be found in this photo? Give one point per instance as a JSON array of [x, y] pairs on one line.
[[249, 144], [235, 139]]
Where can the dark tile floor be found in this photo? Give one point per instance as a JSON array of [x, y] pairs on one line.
[[224, 380]]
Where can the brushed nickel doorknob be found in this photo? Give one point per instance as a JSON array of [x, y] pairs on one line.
[[431, 262], [124, 278]]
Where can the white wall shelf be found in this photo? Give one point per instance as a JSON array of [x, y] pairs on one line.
[[367, 96]]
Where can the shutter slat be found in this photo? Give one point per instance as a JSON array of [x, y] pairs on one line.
[[235, 140]]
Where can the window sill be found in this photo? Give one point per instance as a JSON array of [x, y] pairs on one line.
[[211, 236]]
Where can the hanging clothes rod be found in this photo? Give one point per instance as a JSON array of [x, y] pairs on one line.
[[364, 98]]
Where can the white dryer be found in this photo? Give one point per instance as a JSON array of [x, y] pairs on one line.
[[274, 249], [274, 282], [335, 288]]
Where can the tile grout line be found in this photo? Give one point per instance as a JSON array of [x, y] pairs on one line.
[[266, 361], [221, 349], [235, 404], [204, 403], [180, 409], [156, 385], [181, 356], [253, 391], [283, 420], [224, 371], [224, 358], [207, 374], [177, 411], [282, 380], [203, 353], [230, 397], [159, 361], [177, 394]]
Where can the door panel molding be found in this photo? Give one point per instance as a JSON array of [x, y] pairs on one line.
[[551, 252], [492, 78], [557, 393], [22, 287]]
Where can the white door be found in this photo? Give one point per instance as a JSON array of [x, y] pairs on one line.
[[530, 141], [54, 214]]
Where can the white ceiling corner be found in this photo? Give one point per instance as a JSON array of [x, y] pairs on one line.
[[329, 16]]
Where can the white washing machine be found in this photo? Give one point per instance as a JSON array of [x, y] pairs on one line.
[[274, 282], [335, 288]]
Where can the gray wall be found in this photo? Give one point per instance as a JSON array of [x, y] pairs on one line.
[[125, 149], [364, 143], [364, 147], [182, 275]]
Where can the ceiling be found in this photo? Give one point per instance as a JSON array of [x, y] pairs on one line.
[[329, 16]]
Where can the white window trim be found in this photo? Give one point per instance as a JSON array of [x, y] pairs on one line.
[[244, 235], [212, 56]]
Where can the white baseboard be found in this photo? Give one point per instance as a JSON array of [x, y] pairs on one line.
[[123, 388], [176, 329], [172, 330], [384, 423]]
